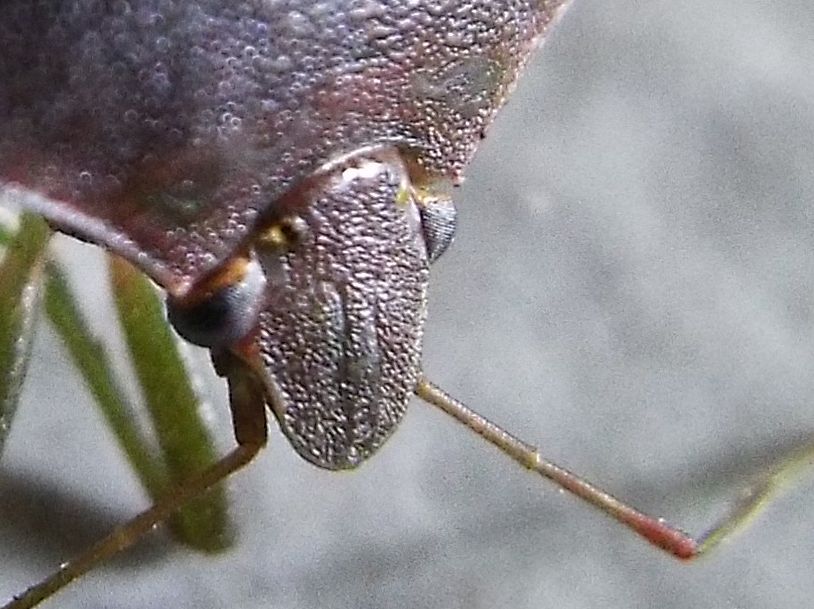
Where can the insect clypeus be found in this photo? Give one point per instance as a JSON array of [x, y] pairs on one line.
[[316, 273]]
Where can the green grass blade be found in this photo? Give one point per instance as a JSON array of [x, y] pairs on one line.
[[6, 235], [204, 525], [171, 401], [21, 275], [92, 361]]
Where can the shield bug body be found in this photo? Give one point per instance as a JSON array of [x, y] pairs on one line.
[[314, 216]]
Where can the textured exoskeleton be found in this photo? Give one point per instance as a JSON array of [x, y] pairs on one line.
[[282, 168]]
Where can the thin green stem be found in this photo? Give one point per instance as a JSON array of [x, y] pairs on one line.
[[21, 274], [171, 401], [91, 359]]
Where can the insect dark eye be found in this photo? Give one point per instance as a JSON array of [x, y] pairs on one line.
[[438, 221], [225, 310]]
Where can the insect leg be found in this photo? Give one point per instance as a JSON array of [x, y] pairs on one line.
[[249, 420]]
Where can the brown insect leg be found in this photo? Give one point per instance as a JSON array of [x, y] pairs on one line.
[[654, 530], [249, 421]]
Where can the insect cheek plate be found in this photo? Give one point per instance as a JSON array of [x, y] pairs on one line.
[[339, 339]]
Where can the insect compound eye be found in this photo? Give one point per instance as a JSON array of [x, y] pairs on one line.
[[438, 222], [224, 308], [432, 197]]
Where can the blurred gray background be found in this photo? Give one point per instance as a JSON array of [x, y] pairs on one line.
[[632, 289]]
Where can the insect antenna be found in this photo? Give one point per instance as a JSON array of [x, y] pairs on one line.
[[655, 530]]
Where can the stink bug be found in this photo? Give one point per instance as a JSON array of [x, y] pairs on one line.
[[379, 171]]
